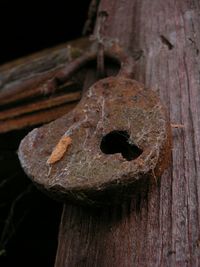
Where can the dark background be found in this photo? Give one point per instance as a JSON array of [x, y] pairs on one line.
[[29, 26], [29, 220]]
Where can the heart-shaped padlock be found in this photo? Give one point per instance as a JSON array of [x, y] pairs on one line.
[[117, 136]]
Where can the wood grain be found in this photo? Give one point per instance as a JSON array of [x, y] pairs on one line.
[[161, 226], [26, 91]]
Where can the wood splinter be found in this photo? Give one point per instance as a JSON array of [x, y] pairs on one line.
[[59, 150], [173, 125]]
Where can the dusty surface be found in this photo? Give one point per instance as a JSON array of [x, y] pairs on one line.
[[84, 171]]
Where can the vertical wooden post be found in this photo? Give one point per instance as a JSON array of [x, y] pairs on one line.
[[161, 228]]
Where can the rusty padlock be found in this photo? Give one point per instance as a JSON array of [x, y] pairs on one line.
[[117, 136]]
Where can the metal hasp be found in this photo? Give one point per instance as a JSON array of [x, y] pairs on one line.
[[117, 137]]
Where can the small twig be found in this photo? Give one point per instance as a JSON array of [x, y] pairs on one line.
[[99, 37], [26, 88], [9, 229], [92, 12], [5, 181], [100, 61], [154, 177], [2, 252]]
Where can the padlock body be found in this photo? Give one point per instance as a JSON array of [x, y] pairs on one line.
[[120, 138]]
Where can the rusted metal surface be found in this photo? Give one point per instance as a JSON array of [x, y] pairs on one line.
[[119, 136]]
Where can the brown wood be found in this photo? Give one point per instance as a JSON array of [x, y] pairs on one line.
[[161, 226], [40, 105], [28, 96], [32, 119]]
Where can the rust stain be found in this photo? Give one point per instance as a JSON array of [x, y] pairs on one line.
[[59, 150]]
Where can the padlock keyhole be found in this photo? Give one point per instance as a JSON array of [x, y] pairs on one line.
[[118, 142]]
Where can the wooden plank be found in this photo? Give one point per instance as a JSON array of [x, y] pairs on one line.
[[26, 86], [40, 105], [162, 226], [36, 118]]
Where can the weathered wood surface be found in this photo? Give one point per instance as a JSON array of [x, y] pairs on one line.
[[25, 100], [161, 227]]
